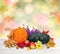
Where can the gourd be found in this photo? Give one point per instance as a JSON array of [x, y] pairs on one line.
[[20, 34], [34, 37], [44, 38]]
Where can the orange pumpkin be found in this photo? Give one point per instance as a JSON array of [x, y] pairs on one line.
[[20, 34]]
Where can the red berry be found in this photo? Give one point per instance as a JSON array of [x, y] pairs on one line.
[[26, 43], [21, 45]]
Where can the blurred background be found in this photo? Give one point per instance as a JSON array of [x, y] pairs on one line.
[[41, 14]]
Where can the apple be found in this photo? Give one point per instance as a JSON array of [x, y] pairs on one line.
[[26, 43], [32, 45], [21, 45]]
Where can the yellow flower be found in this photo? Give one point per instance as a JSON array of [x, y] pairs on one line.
[[39, 45]]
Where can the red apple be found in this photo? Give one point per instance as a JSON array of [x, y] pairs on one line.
[[26, 43], [32, 45], [21, 45]]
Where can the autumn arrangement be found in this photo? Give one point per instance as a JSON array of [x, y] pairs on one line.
[[31, 39]]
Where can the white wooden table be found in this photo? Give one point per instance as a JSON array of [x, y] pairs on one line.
[[4, 50]]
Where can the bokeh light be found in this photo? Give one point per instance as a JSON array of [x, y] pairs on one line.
[[41, 19], [44, 15], [29, 8], [28, 1]]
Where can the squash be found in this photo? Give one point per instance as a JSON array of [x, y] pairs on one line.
[[20, 34], [44, 38], [34, 37]]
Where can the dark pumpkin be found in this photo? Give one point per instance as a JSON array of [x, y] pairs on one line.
[[44, 38], [34, 37]]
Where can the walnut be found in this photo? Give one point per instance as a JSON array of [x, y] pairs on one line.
[[10, 43]]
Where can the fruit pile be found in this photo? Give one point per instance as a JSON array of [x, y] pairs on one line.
[[32, 39]]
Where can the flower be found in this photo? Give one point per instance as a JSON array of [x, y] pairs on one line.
[[39, 45], [32, 31]]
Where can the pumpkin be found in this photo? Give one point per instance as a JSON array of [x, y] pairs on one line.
[[20, 35], [44, 38], [34, 37]]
